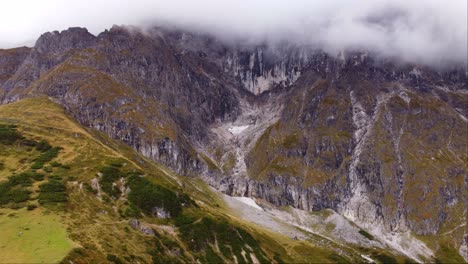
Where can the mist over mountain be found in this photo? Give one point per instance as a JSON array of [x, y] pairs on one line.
[[431, 32]]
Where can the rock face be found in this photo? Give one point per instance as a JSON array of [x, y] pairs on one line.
[[136, 224], [133, 87], [381, 143], [265, 68], [160, 213], [10, 61]]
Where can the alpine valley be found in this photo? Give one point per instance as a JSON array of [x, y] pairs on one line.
[[170, 146]]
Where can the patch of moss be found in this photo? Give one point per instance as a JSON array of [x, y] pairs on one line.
[[55, 164], [43, 146], [9, 134], [110, 174], [211, 165], [291, 141], [114, 259], [448, 254], [339, 259], [366, 234], [384, 258], [52, 192], [15, 191], [212, 257], [229, 163], [201, 234], [147, 195], [116, 163], [45, 157]]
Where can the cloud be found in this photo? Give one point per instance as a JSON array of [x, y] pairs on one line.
[[429, 31]]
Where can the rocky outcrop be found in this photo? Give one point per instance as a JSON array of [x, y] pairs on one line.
[[160, 213], [281, 191], [142, 227], [10, 61], [265, 68], [133, 86], [95, 186], [61, 42]]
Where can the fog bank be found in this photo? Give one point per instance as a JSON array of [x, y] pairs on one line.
[[429, 31]]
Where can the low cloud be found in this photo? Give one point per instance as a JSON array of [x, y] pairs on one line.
[[430, 31]]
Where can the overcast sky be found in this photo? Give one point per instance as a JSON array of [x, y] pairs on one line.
[[419, 30]]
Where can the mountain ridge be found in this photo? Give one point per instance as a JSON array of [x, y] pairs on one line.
[[312, 124]]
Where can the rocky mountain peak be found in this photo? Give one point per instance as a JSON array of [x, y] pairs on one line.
[[72, 38]]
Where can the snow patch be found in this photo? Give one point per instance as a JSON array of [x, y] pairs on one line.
[[239, 137], [248, 201], [237, 129]]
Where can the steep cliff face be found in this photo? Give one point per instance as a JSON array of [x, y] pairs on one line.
[[371, 141], [265, 68], [255, 68], [10, 61], [132, 86], [382, 144]]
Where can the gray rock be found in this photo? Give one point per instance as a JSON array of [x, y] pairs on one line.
[[160, 213], [144, 228], [134, 223]]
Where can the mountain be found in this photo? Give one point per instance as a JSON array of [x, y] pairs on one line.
[[72, 194], [371, 141]]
